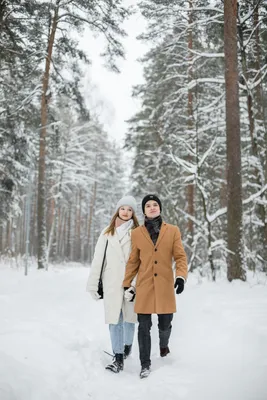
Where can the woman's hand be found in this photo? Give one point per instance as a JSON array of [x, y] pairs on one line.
[[94, 295], [129, 293]]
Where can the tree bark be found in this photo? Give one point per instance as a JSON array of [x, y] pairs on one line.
[[41, 219], [234, 184]]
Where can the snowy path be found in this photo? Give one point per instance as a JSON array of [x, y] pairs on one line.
[[52, 338]]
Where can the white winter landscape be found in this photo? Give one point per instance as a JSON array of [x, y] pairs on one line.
[[53, 337]]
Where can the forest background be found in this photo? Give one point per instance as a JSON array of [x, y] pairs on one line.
[[197, 137]]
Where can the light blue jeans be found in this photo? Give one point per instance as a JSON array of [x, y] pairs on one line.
[[120, 334]]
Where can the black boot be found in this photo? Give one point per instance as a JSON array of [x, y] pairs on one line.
[[117, 364], [164, 351], [145, 371], [127, 350]]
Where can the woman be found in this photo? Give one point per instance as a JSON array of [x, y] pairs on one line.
[[119, 311], [154, 245]]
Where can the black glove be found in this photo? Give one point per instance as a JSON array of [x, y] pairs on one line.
[[179, 285]]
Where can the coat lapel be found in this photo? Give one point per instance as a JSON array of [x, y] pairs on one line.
[[114, 241], [161, 232], [146, 234], [126, 238]]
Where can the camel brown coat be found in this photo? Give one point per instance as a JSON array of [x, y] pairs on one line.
[[153, 264]]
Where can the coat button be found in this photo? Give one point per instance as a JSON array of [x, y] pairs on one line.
[[156, 262], [155, 274]]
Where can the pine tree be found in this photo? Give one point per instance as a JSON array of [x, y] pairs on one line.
[[178, 125], [103, 17], [19, 92], [234, 180]]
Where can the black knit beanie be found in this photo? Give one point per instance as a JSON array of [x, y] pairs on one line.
[[150, 197]]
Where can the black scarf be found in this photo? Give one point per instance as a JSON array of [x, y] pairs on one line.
[[153, 226]]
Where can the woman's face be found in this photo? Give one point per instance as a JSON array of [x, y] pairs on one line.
[[152, 209], [125, 213]]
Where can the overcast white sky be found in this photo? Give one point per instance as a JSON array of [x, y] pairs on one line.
[[111, 89]]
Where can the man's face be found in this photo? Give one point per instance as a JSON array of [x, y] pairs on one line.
[[152, 209]]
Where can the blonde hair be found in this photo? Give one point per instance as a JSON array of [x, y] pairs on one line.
[[111, 228]]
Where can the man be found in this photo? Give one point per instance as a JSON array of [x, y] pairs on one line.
[[154, 246]]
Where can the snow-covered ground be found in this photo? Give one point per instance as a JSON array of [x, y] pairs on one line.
[[52, 337]]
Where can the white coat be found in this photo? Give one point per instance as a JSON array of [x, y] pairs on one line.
[[113, 274]]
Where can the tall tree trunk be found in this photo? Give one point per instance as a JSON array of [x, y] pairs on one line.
[[17, 235], [22, 227], [234, 185], [68, 236], [261, 118], [78, 226], [33, 223], [90, 219], [61, 230], [190, 188], [259, 99], [64, 235], [3, 13], [52, 224], [8, 246], [57, 232], [1, 237], [50, 215], [41, 221]]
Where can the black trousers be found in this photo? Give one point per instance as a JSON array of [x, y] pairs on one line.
[[144, 338]]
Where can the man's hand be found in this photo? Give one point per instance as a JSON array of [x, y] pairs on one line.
[[179, 285]]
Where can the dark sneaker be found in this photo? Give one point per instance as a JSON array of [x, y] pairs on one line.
[[117, 364], [145, 371], [127, 350], [164, 351]]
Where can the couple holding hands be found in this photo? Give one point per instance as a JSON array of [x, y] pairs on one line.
[[138, 278]]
